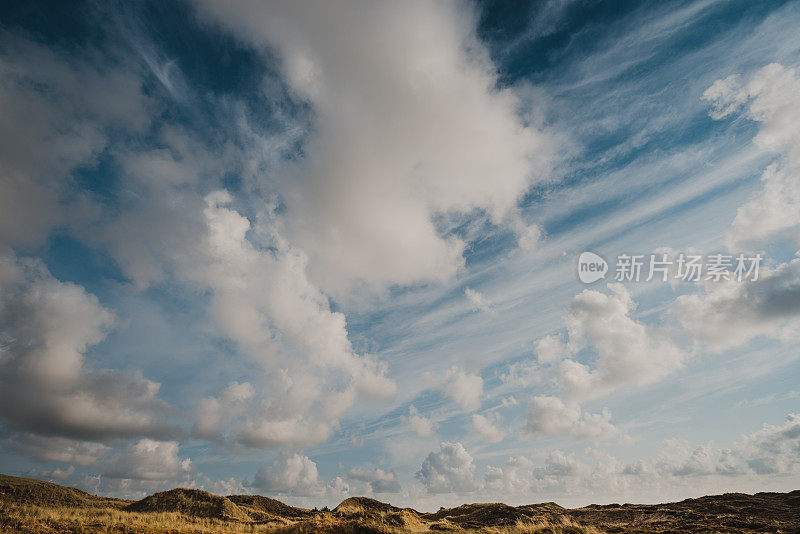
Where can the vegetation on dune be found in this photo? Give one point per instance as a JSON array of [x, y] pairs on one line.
[[257, 503], [191, 502], [29, 519], [34, 506]]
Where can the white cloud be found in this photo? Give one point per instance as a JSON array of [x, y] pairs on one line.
[[214, 412], [557, 473], [478, 300], [432, 135], [263, 300], [550, 349], [550, 416], [449, 470], [509, 401], [513, 478], [773, 449], [379, 481], [489, 427], [464, 388], [772, 98], [54, 118], [628, 352], [523, 374], [54, 449], [46, 387], [267, 430], [150, 460], [729, 314], [291, 474], [421, 425]]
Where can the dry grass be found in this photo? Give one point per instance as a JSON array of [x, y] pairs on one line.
[[33, 506], [24, 518], [560, 525]]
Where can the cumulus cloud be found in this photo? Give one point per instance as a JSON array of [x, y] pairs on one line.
[[46, 386], [772, 98], [478, 300], [464, 388], [431, 135], [509, 401], [729, 314], [680, 459], [489, 427], [550, 349], [54, 449], [770, 451], [263, 300], [421, 425], [558, 472], [150, 460], [214, 412], [628, 352], [54, 117], [773, 449], [379, 481], [523, 374], [290, 474], [513, 478], [448, 470], [550, 416]]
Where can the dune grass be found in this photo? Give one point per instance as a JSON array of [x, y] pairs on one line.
[[26, 518]]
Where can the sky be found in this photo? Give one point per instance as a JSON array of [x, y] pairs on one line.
[[314, 250]]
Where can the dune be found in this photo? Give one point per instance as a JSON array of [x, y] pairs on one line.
[[32, 506]]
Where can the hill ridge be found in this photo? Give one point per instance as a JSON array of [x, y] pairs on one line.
[[29, 505]]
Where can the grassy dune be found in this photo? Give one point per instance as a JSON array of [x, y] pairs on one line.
[[34, 506]]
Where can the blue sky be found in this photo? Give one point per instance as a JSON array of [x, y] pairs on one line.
[[316, 250]]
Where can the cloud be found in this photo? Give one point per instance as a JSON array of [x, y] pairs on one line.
[[464, 388], [558, 472], [46, 386], [679, 459], [433, 135], [514, 477], [421, 425], [550, 349], [53, 449], [628, 352], [479, 301], [523, 374], [509, 401], [772, 98], [550, 416], [379, 481], [489, 427], [264, 302], [729, 314], [449, 470], [150, 460], [290, 474], [56, 111], [773, 449], [214, 412]]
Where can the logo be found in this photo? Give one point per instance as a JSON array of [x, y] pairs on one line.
[[591, 267]]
